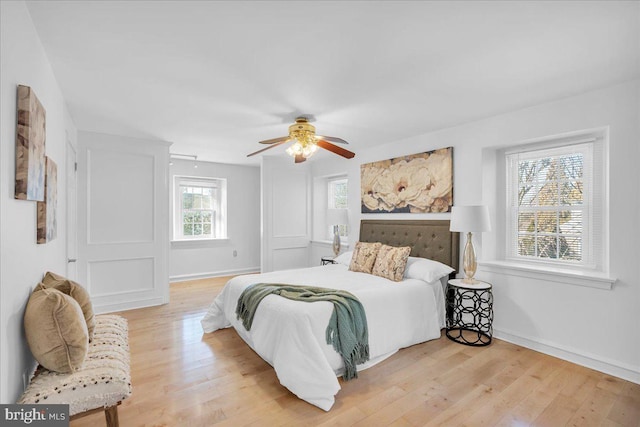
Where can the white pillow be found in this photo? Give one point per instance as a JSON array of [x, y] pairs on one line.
[[344, 258], [426, 269]]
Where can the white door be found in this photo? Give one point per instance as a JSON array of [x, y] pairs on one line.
[[286, 213], [72, 212]]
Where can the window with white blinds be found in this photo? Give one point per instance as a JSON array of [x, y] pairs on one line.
[[199, 208], [337, 191], [555, 203]]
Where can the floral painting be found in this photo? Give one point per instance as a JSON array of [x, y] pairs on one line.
[[47, 215], [30, 146], [418, 183]]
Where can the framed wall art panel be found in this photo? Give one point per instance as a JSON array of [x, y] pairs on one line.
[[418, 183], [47, 210], [30, 146]]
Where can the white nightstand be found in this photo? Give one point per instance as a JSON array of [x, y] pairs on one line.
[[469, 312]]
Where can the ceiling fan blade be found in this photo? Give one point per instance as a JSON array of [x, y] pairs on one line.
[[274, 140], [335, 149], [300, 158], [332, 139], [265, 149]]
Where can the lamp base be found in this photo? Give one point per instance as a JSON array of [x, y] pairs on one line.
[[469, 261], [470, 281], [336, 241]]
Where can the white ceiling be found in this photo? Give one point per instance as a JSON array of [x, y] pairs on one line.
[[214, 78]]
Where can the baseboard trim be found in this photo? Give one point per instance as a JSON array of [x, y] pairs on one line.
[[196, 276], [127, 305], [598, 363]]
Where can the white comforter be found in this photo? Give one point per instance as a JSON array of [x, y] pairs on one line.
[[290, 335]]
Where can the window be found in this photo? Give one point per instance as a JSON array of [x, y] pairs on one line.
[[555, 213], [337, 190], [200, 208]]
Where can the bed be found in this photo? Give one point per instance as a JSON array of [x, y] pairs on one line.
[[290, 335]]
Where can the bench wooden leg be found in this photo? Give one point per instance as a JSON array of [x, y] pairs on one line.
[[111, 415]]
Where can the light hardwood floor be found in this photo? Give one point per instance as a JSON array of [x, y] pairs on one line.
[[182, 377]]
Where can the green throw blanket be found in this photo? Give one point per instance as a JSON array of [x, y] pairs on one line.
[[347, 329]]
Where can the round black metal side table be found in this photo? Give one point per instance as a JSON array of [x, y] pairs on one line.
[[469, 312], [327, 260]]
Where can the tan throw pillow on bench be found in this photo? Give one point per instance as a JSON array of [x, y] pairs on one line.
[[56, 330], [364, 256], [391, 262], [75, 291]]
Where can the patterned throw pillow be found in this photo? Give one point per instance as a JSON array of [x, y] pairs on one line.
[[391, 262], [364, 256]]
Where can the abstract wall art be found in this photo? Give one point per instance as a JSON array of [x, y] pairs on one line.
[[47, 209], [418, 183], [30, 146]]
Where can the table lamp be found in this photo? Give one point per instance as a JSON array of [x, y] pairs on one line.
[[336, 217], [468, 219]]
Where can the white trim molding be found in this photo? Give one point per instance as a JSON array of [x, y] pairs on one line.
[[100, 307], [199, 243], [197, 276], [329, 243], [598, 363], [577, 278]]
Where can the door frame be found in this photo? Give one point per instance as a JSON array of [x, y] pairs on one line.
[[71, 243]]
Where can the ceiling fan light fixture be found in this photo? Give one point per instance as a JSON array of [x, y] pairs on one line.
[[310, 150], [304, 148], [305, 142], [303, 135]]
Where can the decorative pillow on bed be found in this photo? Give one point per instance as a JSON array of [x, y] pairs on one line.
[[344, 258], [426, 269], [391, 262], [56, 330], [364, 256], [75, 291]]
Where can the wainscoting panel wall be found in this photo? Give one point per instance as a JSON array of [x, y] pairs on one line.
[[123, 221], [286, 213], [288, 258], [136, 277], [129, 177]]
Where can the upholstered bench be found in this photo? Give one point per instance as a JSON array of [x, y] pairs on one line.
[[103, 381]]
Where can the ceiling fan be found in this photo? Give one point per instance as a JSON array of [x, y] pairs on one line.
[[306, 142]]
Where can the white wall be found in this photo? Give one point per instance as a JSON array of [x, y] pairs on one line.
[[590, 326], [22, 261], [192, 260]]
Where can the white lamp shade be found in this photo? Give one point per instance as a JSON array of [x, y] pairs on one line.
[[337, 217], [470, 218]]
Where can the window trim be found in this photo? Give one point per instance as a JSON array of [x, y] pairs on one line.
[[585, 278], [598, 268], [221, 213]]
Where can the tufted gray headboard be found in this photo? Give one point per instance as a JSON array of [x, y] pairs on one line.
[[427, 239]]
